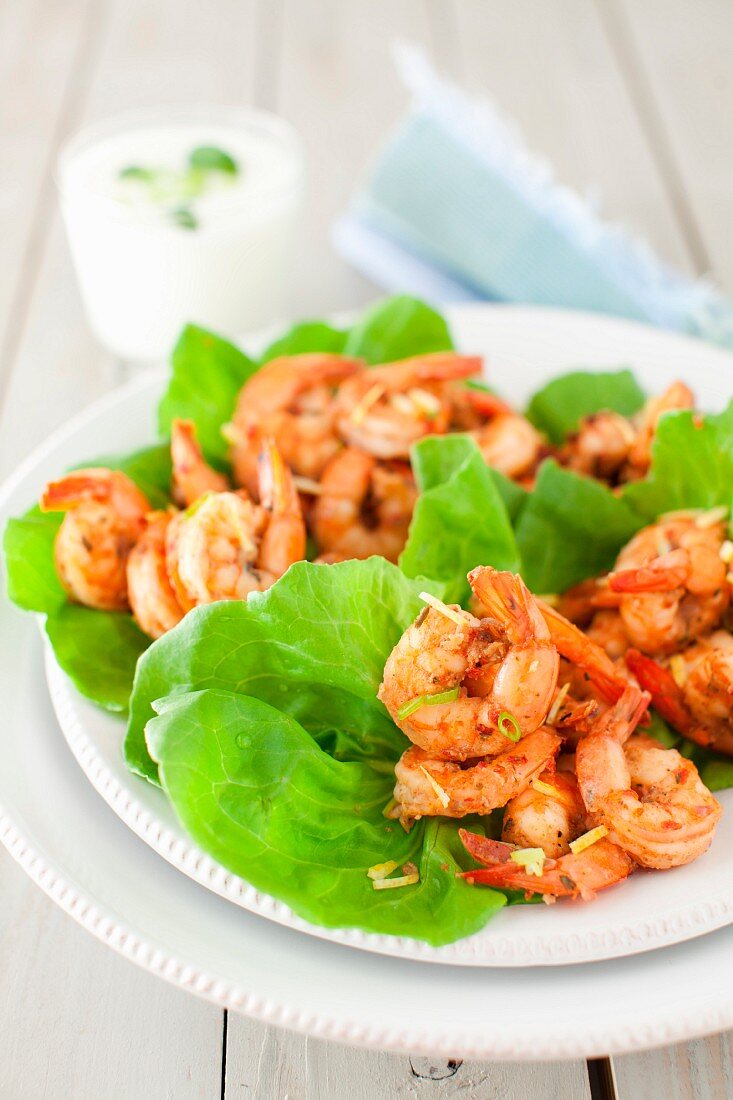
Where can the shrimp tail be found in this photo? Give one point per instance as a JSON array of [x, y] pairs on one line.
[[487, 403], [581, 650], [665, 695], [284, 541], [649, 578], [506, 598], [74, 489], [192, 476], [484, 849]]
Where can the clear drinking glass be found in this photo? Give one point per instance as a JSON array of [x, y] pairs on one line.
[[143, 273]]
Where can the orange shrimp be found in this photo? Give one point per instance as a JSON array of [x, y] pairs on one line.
[[385, 409], [105, 516], [291, 400], [152, 598], [364, 506], [192, 476]]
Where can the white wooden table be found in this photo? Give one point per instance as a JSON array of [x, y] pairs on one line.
[[632, 98]]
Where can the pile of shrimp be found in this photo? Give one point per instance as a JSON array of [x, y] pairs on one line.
[[320, 446], [663, 616], [513, 706]]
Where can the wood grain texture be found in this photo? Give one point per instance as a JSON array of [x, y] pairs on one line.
[[574, 108], [77, 1020], [676, 58], [263, 1063], [702, 1070]]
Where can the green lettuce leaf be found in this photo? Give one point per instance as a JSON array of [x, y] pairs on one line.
[[314, 646], [692, 465], [208, 373], [558, 407], [396, 329], [304, 337], [460, 520], [98, 650], [254, 791], [570, 528]]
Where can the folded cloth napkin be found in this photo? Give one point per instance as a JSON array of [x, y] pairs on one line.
[[459, 209]]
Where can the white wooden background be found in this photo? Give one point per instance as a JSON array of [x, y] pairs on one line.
[[630, 98]]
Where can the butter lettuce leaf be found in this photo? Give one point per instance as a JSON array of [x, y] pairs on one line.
[[255, 791], [559, 406], [396, 329], [460, 520], [314, 646], [570, 528], [692, 465], [305, 337], [207, 374]]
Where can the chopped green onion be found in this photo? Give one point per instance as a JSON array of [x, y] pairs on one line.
[[135, 172], [428, 701], [509, 726], [184, 218], [532, 859], [212, 159]]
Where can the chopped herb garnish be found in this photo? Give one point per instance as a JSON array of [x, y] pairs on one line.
[[427, 701], [212, 159], [135, 172], [509, 726], [184, 218]]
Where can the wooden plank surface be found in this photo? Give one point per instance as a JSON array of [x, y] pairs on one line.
[[629, 99]]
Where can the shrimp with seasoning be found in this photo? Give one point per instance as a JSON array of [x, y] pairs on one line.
[[675, 397], [385, 409], [105, 516], [546, 816], [499, 672], [226, 546], [192, 476], [671, 581], [428, 787], [364, 506], [511, 445], [650, 799], [152, 598], [291, 400], [600, 447], [695, 693]]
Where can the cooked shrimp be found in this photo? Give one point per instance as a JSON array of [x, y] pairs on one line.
[[152, 598], [364, 506], [385, 409], [502, 669], [695, 695], [600, 447], [600, 865], [105, 515], [290, 400], [510, 444], [192, 476], [536, 818], [584, 653], [607, 629], [429, 787], [225, 546], [672, 582], [677, 396], [650, 799]]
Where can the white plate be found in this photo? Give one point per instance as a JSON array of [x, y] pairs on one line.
[[98, 871], [522, 347]]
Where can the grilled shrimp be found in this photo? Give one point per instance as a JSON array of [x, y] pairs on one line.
[[650, 799], [510, 444], [364, 506], [152, 598], [430, 787], [192, 476], [671, 581], [600, 447], [694, 694], [290, 400], [499, 673], [584, 654], [676, 396], [225, 546], [600, 865], [385, 409], [547, 816], [105, 515]]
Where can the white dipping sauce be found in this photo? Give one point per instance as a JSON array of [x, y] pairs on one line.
[[143, 275]]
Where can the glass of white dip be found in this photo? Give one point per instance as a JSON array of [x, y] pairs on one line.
[[177, 216]]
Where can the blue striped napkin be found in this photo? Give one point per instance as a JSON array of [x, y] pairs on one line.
[[457, 208]]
